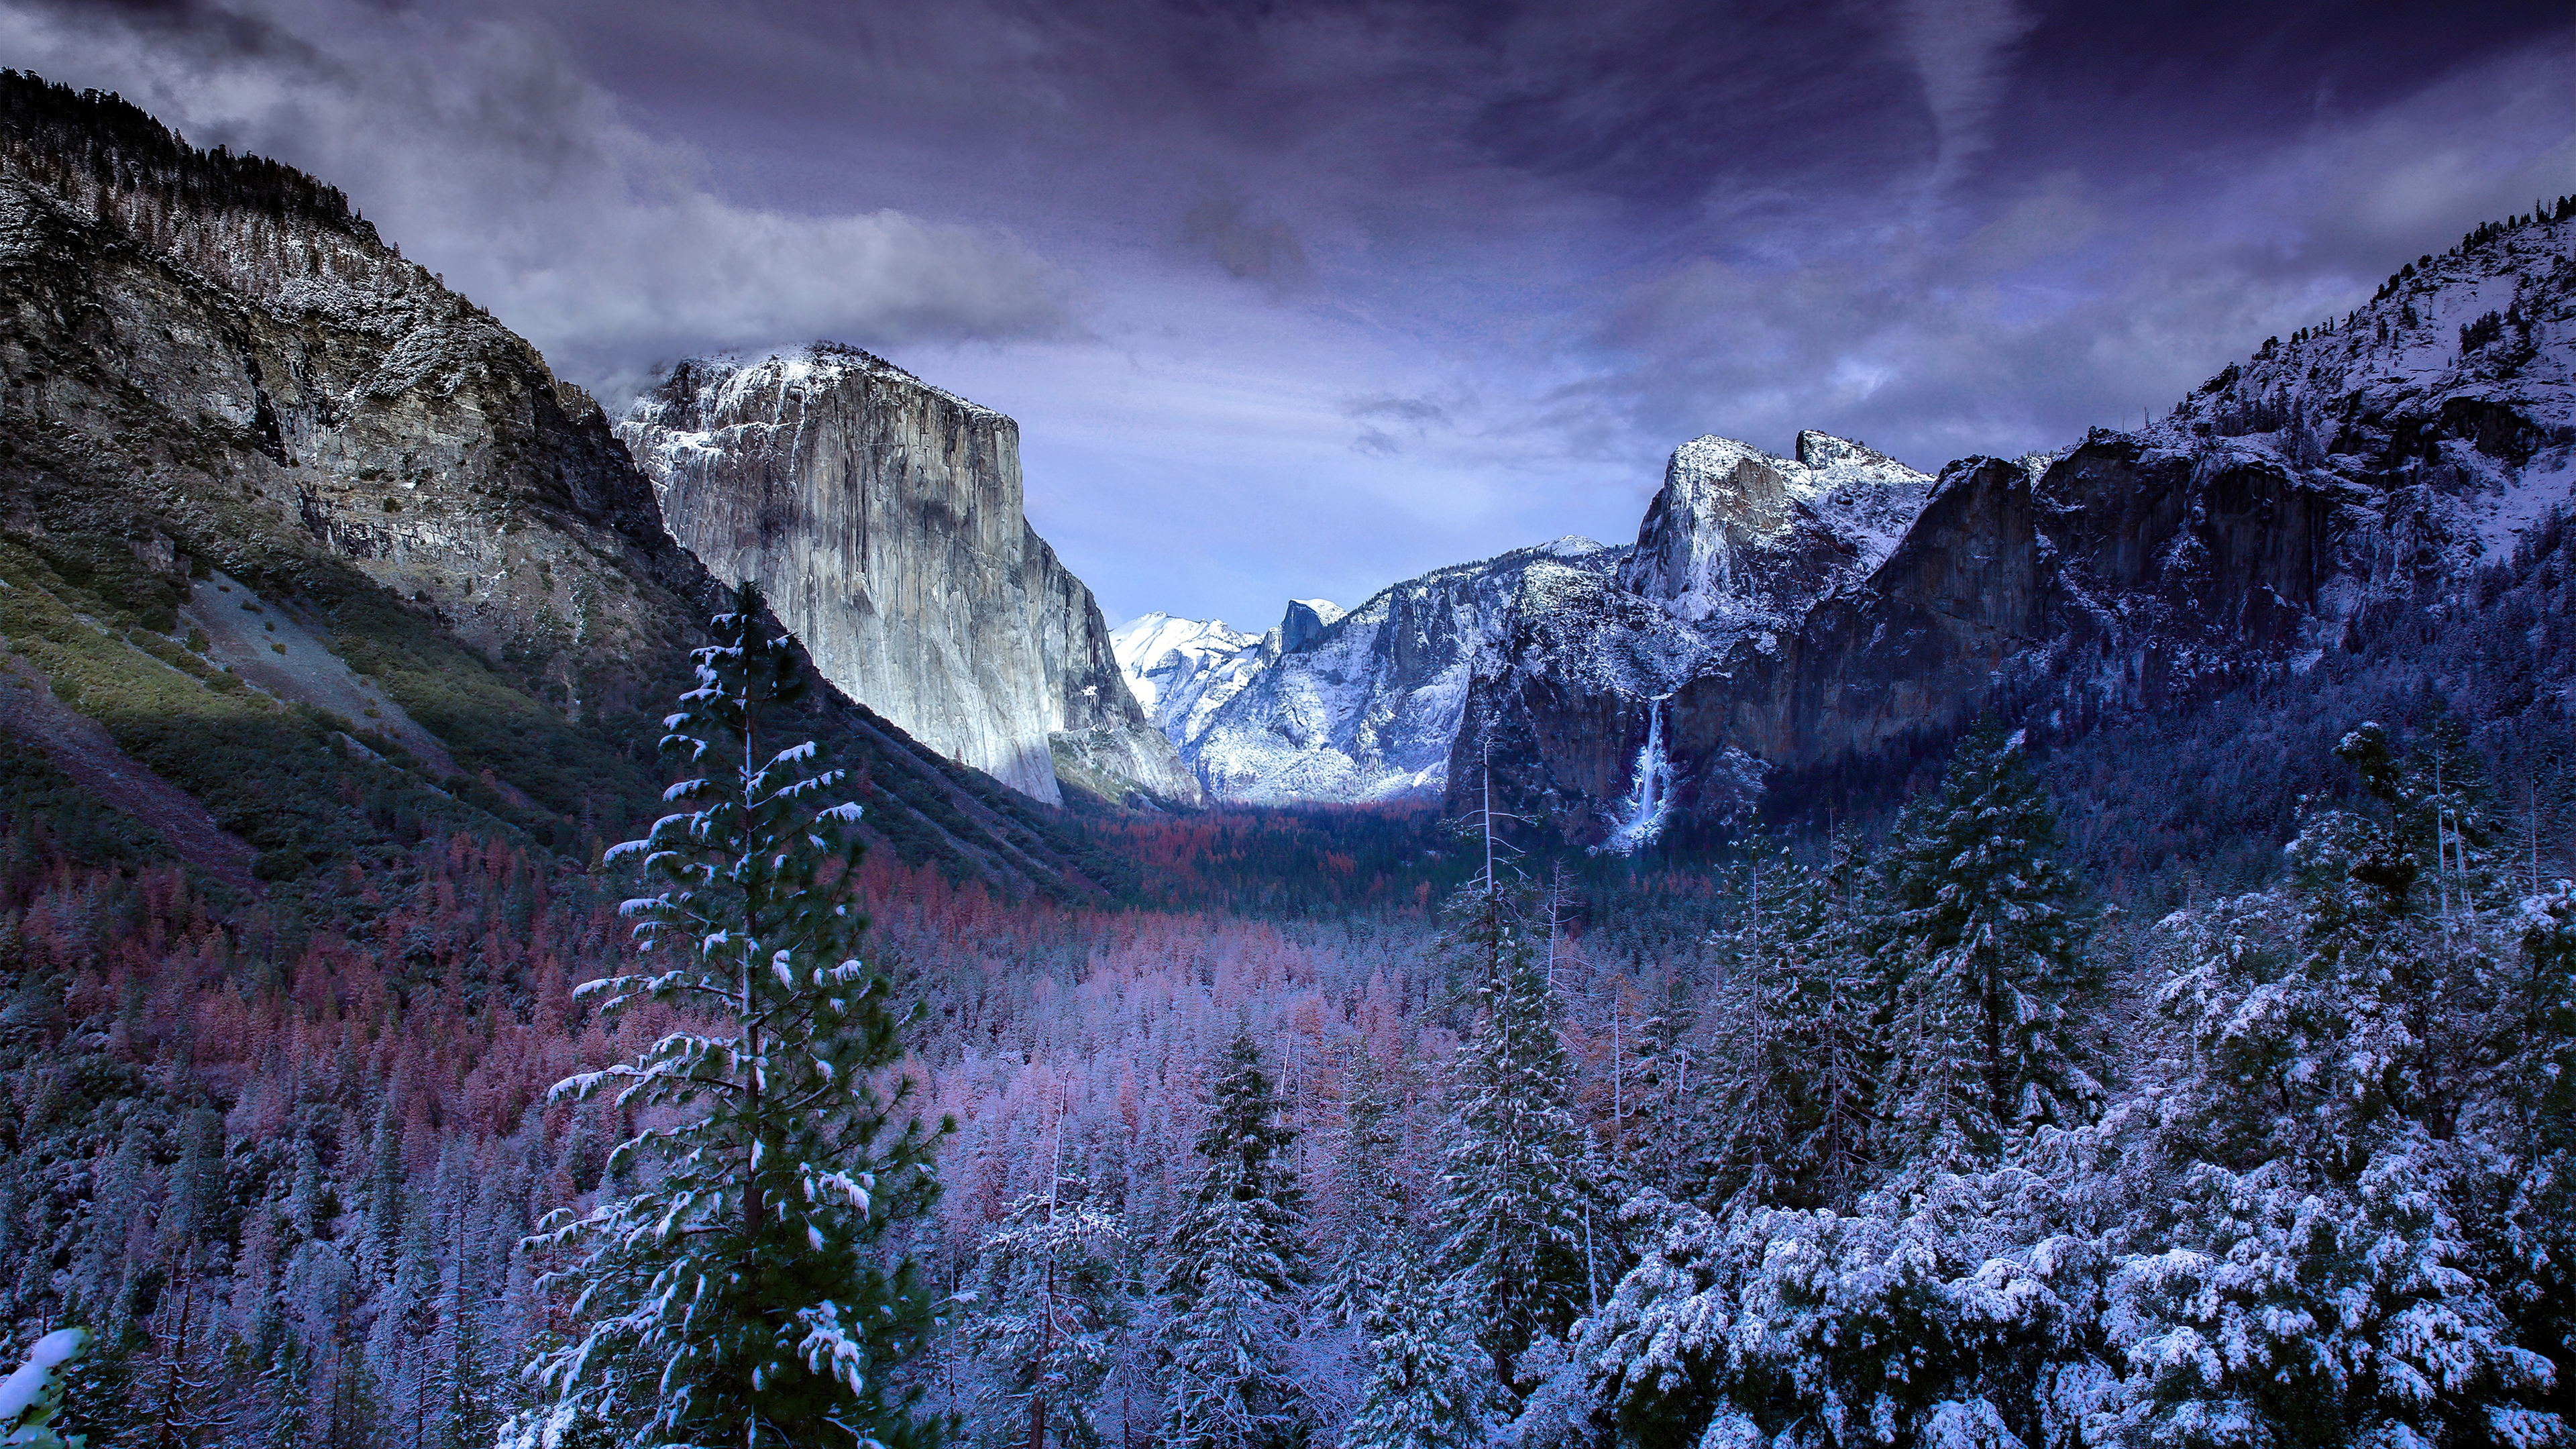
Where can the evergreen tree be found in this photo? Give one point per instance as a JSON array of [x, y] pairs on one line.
[[1751, 1084], [1233, 1273], [2335, 1039], [749, 1295], [32, 1397], [1429, 1386], [1374, 1210], [1046, 1322], [1519, 1214], [1836, 1058], [1984, 949], [1790, 1084]]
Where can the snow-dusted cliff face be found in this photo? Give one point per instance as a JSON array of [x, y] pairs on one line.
[[1346, 707], [1738, 532], [882, 516], [1368, 706], [1811, 624], [1781, 619]]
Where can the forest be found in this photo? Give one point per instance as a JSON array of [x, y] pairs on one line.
[[1365, 1129]]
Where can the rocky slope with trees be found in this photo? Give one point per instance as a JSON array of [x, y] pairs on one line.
[[224, 392]]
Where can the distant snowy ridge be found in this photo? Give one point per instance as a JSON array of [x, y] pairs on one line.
[[1335, 706], [1368, 706]]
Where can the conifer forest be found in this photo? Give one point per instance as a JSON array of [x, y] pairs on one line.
[[534, 920]]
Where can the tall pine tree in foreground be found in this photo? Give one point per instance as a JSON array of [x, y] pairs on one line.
[[746, 1295], [1984, 946], [1793, 1061], [1519, 1210], [1046, 1319], [1233, 1274], [1374, 1210], [1429, 1387]]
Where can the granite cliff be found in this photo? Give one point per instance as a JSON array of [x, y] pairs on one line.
[[1803, 628], [883, 517], [1335, 706]]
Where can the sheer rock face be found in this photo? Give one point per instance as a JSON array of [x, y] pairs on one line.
[[209, 365], [883, 518], [1735, 530], [2376, 465], [341, 400]]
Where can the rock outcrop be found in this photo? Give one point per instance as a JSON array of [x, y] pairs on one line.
[[882, 516]]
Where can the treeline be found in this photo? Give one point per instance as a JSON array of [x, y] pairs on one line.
[[1933, 1147], [110, 144]]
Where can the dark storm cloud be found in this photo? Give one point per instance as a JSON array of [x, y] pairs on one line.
[[1377, 415], [1253, 248], [1942, 225]]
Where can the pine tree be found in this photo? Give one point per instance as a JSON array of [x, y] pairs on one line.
[[1046, 1321], [1429, 1386], [1984, 948], [1836, 1051], [1790, 1084], [749, 1295], [1374, 1207], [1233, 1273], [2333, 1037], [1752, 1082], [32, 1397], [1519, 1213]]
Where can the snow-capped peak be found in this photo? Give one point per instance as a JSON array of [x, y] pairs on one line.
[[1306, 621], [1158, 650], [1731, 515]]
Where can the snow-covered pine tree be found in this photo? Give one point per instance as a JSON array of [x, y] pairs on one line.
[[1046, 1320], [748, 1294], [1752, 1081], [2534, 1242], [1836, 1033], [1429, 1386], [1984, 948], [1521, 1227], [33, 1395], [1372, 1203], [2336, 1147], [1233, 1273]]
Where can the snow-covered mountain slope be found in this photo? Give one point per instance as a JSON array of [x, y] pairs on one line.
[[1736, 532], [2374, 463], [1368, 706], [1329, 706], [883, 518], [1160, 655]]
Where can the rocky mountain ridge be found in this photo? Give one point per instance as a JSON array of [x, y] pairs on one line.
[[223, 399], [884, 519], [2377, 461], [1346, 707], [1796, 625]]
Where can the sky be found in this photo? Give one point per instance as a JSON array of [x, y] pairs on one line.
[[1298, 300]]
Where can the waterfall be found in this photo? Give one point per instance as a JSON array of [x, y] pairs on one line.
[[1650, 798]]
